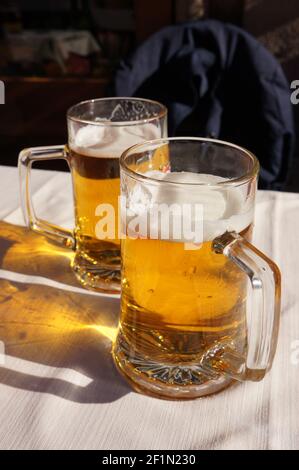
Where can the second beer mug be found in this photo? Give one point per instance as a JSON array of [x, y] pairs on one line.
[[98, 132], [200, 304]]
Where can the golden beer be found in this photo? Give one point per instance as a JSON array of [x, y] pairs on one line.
[[99, 131], [95, 181], [97, 138], [176, 304], [199, 302]]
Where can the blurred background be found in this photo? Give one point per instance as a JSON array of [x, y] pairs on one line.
[[56, 53]]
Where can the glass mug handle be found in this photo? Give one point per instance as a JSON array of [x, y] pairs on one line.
[[26, 158], [262, 318]]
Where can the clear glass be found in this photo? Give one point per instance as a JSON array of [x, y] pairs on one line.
[[199, 308], [98, 132]]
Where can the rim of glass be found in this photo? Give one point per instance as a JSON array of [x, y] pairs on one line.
[[247, 176], [161, 114]]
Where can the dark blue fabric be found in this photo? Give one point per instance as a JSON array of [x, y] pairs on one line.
[[217, 80]]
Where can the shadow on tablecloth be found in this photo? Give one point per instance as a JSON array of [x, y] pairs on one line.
[[54, 327]]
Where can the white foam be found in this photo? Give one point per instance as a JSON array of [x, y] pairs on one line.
[[224, 208], [110, 141]]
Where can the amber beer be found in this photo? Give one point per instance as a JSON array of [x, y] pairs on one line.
[[95, 180], [176, 303], [180, 302], [99, 131], [96, 183], [199, 303]]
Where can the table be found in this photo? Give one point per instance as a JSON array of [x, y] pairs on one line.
[[58, 386]]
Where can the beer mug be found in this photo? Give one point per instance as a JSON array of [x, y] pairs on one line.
[[200, 304], [98, 132]]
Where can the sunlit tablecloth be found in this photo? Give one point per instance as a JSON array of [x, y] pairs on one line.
[[58, 386]]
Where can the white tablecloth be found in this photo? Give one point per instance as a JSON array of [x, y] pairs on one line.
[[58, 386]]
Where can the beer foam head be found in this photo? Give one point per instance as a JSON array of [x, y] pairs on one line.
[[98, 140], [223, 208]]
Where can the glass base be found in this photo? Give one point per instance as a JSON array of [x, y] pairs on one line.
[[169, 381], [96, 276]]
